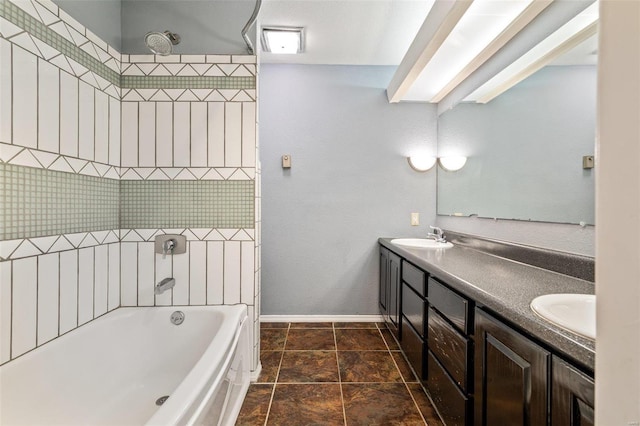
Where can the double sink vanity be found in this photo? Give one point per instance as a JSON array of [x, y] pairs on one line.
[[499, 334]]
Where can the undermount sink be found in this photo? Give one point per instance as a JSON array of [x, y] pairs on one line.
[[420, 243], [573, 312]]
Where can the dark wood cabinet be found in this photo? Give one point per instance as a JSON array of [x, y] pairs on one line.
[[389, 298], [511, 376], [572, 395]]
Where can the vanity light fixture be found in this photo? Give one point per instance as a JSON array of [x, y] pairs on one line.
[[453, 163], [421, 163], [283, 40]]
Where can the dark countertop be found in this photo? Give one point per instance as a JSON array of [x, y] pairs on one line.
[[506, 288]]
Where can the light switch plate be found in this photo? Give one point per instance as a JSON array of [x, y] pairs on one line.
[[588, 162], [415, 219], [286, 161]]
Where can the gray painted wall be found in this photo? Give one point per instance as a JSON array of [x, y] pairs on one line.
[[349, 184], [102, 17]]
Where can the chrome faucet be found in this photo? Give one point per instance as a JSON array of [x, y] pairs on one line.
[[167, 247], [437, 234], [164, 285]]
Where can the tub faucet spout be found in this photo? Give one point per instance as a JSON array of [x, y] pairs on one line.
[[165, 285]]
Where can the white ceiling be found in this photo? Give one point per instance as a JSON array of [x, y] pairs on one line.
[[347, 32]]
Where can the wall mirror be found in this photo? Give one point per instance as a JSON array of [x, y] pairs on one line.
[[525, 147]]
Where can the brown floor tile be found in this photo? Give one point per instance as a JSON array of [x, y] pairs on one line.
[[354, 324], [391, 342], [404, 368], [360, 340], [367, 366], [309, 366], [379, 404], [306, 405], [425, 405], [272, 339], [255, 406], [311, 325], [382, 325], [270, 363], [274, 325], [310, 340]]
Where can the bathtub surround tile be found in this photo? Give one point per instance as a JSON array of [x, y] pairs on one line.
[[380, 403], [181, 274], [359, 340], [48, 297], [5, 311], [128, 274], [24, 306], [146, 274], [310, 339], [255, 405], [86, 284], [101, 280], [367, 366], [68, 291], [198, 273], [48, 106], [163, 269], [308, 366], [113, 298], [313, 404], [215, 272]]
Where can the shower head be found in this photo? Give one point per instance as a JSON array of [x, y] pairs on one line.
[[161, 43]]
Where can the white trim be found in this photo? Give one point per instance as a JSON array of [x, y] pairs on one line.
[[321, 318], [253, 377]]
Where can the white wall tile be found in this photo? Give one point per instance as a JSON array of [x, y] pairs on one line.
[[102, 127], [68, 114], [181, 274], [248, 134], [5, 311], [114, 131], [163, 270], [85, 285], [231, 272], [5, 89], [25, 88], [146, 274], [147, 134], [128, 274], [233, 134], [23, 321], [129, 149], [101, 278], [48, 293], [114, 276], [198, 134], [181, 134], [216, 134], [247, 272], [68, 290], [48, 107], [198, 273], [86, 123], [215, 272], [164, 134]]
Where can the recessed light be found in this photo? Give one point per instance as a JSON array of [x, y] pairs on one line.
[[283, 40]]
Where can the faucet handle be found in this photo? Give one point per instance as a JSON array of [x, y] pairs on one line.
[[436, 230]]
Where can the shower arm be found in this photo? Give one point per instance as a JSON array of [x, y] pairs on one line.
[[248, 25]]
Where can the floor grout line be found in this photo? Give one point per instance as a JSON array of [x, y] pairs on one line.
[[275, 381], [335, 342]]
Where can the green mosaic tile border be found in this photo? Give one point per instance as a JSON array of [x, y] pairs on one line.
[[179, 82], [39, 202], [22, 19], [186, 204]]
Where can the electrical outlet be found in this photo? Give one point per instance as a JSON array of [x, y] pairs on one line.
[[415, 219]]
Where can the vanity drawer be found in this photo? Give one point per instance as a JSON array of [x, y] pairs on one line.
[[414, 277], [414, 348], [450, 347], [451, 305], [413, 308], [453, 405]]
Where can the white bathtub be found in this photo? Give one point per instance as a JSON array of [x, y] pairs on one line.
[[112, 371]]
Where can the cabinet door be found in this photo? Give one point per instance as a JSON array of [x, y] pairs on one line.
[[384, 280], [393, 299], [571, 396], [511, 376]]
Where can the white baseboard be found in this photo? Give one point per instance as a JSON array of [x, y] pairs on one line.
[[255, 373], [321, 318]]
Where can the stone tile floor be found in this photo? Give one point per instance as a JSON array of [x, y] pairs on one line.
[[334, 374]]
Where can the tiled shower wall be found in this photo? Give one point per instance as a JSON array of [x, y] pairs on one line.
[[99, 152]]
